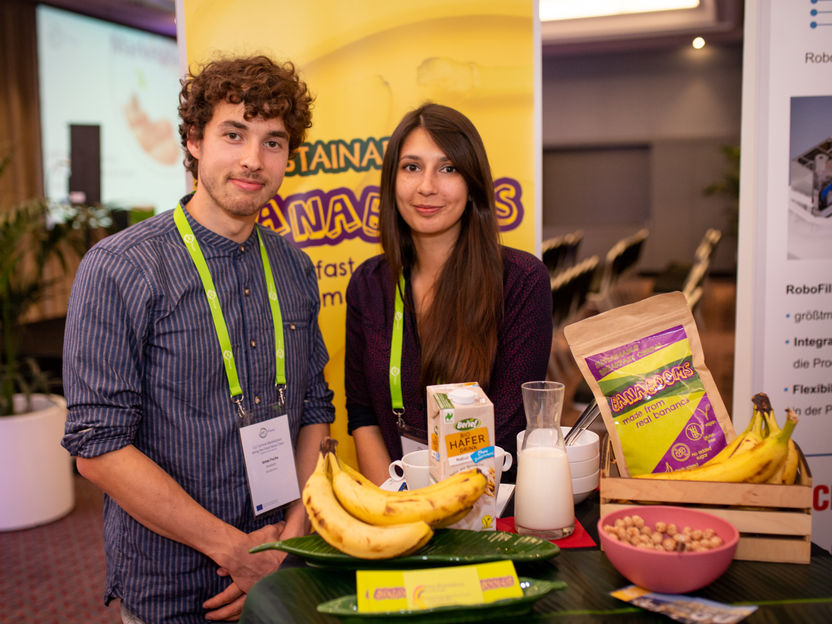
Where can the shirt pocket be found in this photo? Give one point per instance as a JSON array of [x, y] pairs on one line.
[[297, 336]]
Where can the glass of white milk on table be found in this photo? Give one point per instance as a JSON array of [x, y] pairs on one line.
[[543, 503]]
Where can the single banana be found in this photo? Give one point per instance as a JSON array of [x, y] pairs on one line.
[[753, 466], [729, 448], [748, 439], [756, 434], [428, 489], [434, 506], [350, 535], [773, 429], [787, 473], [433, 487], [790, 465], [451, 520]]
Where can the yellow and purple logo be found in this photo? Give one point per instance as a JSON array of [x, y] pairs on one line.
[[327, 217]]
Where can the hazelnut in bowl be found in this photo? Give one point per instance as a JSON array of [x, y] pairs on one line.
[[670, 550]]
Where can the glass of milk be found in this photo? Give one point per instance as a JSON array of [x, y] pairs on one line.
[[543, 503]]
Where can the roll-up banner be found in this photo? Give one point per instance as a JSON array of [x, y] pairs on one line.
[[368, 62], [784, 284]]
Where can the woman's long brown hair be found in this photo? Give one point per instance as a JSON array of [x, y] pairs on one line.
[[458, 334]]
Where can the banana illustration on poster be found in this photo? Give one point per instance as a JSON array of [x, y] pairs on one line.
[[368, 62]]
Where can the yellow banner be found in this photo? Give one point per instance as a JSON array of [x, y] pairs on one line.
[[368, 62]]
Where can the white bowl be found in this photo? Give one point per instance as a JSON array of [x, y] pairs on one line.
[[585, 468], [587, 446], [579, 497], [585, 484], [582, 487]]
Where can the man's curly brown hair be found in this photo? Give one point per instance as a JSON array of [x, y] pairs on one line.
[[267, 90]]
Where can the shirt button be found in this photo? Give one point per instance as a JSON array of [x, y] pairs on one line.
[[257, 400], [292, 326], [246, 291], [253, 343], [243, 248]]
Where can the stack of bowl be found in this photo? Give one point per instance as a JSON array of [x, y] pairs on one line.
[[584, 462]]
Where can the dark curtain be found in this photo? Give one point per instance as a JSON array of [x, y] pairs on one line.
[[19, 110]]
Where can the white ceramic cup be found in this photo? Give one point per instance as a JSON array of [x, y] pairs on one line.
[[414, 468], [504, 458], [503, 462]]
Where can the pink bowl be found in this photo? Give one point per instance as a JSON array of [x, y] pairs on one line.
[[670, 572]]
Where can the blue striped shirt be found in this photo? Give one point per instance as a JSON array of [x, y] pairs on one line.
[[142, 366]]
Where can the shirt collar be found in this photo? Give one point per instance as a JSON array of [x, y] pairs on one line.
[[210, 242]]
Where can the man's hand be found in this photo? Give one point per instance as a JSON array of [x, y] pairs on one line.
[[245, 569], [154, 499], [225, 606]]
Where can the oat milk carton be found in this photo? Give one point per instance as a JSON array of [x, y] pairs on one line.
[[461, 436]]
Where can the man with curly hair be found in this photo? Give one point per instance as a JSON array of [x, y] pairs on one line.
[[191, 341]]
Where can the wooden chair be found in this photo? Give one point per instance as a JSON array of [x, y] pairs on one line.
[[570, 252], [570, 290], [551, 252], [696, 275], [693, 298], [694, 286], [676, 275], [621, 258], [561, 252]]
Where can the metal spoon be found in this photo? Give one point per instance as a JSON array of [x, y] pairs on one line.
[[586, 418]]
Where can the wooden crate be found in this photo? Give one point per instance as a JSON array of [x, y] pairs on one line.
[[774, 521]]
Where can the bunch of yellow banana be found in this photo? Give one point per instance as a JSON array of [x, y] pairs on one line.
[[751, 457], [787, 472], [439, 504], [357, 517]]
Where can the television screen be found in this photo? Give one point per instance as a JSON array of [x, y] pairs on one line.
[[108, 100]]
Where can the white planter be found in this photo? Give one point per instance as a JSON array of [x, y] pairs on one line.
[[36, 484]]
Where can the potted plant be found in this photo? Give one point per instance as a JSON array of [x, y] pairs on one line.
[[36, 484], [728, 186]]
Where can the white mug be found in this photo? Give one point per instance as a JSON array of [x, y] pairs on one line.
[[414, 468], [503, 462]]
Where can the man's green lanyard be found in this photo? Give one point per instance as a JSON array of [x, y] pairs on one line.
[[192, 245], [396, 353]]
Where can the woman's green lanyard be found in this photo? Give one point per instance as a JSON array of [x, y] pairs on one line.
[[396, 354], [192, 245]]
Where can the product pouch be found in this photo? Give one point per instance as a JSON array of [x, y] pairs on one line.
[[645, 366]]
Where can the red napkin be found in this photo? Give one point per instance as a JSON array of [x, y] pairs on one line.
[[579, 538]]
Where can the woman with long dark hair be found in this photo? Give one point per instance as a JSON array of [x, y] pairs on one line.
[[472, 309]]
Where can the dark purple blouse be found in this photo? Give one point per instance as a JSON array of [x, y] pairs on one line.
[[524, 343]]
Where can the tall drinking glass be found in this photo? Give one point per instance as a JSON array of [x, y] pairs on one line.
[[543, 503]]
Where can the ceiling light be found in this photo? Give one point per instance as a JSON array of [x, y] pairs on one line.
[[698, 43], [552, 10]]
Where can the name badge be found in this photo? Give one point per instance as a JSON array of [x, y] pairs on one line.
[[270, 462]]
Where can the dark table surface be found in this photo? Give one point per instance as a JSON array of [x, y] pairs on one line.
[[783, 592]]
